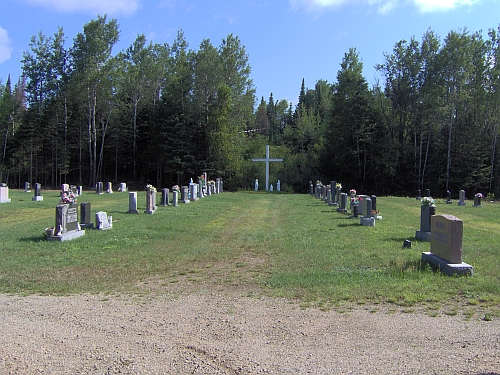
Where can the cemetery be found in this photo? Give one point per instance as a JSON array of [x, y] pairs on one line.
[[327, 233]]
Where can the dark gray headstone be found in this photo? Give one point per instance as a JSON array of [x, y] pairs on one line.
[[165, 197], [86, 215]]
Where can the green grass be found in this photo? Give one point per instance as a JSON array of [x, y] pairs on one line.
[[292, 246]]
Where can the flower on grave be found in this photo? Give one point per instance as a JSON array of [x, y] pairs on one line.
[[428, 201], [150, 187], [479, 195], [211, 182], [338, 185], [355, 200], [176, 188], [319, 183], [202, 180], [67, 198], [352, 192]]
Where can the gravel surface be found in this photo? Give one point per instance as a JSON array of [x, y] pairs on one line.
[[207, 332]]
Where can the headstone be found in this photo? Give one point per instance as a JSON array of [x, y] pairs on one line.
[[221, 186], [271, 188], [184, 194], [426, 212], [217, 185], [278, 186], [367, 220], [155, 207], [419, 195], [74, 190], [446, 246], [4, 194], [80, 190], [448, 197], [374, 203], [427, 192], [362, 203], [461, 198], [64, 188], [132, 202], [109, 188], [193, 192], [477, 200], [256, 185], [27, 187], [86, 215], [311, 188], [102, 221], [355, 211], [200, 189], [37, 197], [98, 188], [165, 197], [123, 187], [150, 207], [175, 194], [343, 203], [267, 160], [67, 226]]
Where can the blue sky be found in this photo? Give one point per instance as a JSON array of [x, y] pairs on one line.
[[286, 40]]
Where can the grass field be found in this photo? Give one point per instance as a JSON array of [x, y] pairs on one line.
[[290, 245]]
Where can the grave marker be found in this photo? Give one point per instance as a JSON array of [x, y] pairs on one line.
[[103, 221], [267, 160], [86, 215], [67, 226], [461, 198], [37, 197], [4, 193], [446, 246], [132, 202]]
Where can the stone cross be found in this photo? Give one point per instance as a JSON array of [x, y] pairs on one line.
[[267, 160]]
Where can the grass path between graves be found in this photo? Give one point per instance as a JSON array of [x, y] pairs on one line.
[[292, 246]]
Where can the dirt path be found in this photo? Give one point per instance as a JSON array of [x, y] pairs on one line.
[[221, 333]]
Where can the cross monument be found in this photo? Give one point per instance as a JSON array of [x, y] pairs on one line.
[[267, 160]]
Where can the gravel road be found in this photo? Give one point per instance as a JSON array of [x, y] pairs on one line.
[[207, 332]]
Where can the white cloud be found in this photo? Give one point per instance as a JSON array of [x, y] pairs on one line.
[[95, 6], [5, 47], [426, 6], [384, 6]]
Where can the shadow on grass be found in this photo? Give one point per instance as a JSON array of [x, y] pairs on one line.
[[352, 224], [32, 239], [409, 265]]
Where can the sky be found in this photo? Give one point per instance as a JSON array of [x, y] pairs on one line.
[[286, 40]]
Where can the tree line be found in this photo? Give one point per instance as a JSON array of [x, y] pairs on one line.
[[165, 113]]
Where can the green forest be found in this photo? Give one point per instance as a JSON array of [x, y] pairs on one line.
[[165, 113]]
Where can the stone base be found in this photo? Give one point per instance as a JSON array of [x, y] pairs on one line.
[[5, 200], [193, 199], [445, 267], [449, 202], [342, 211], [461, 203], [367, 221], [149, 212], [132, 212], [423, 236], [477, 205], [334, 204], [418, 198], [87, 226], [37, 199], [186, 201], [71, 235]]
